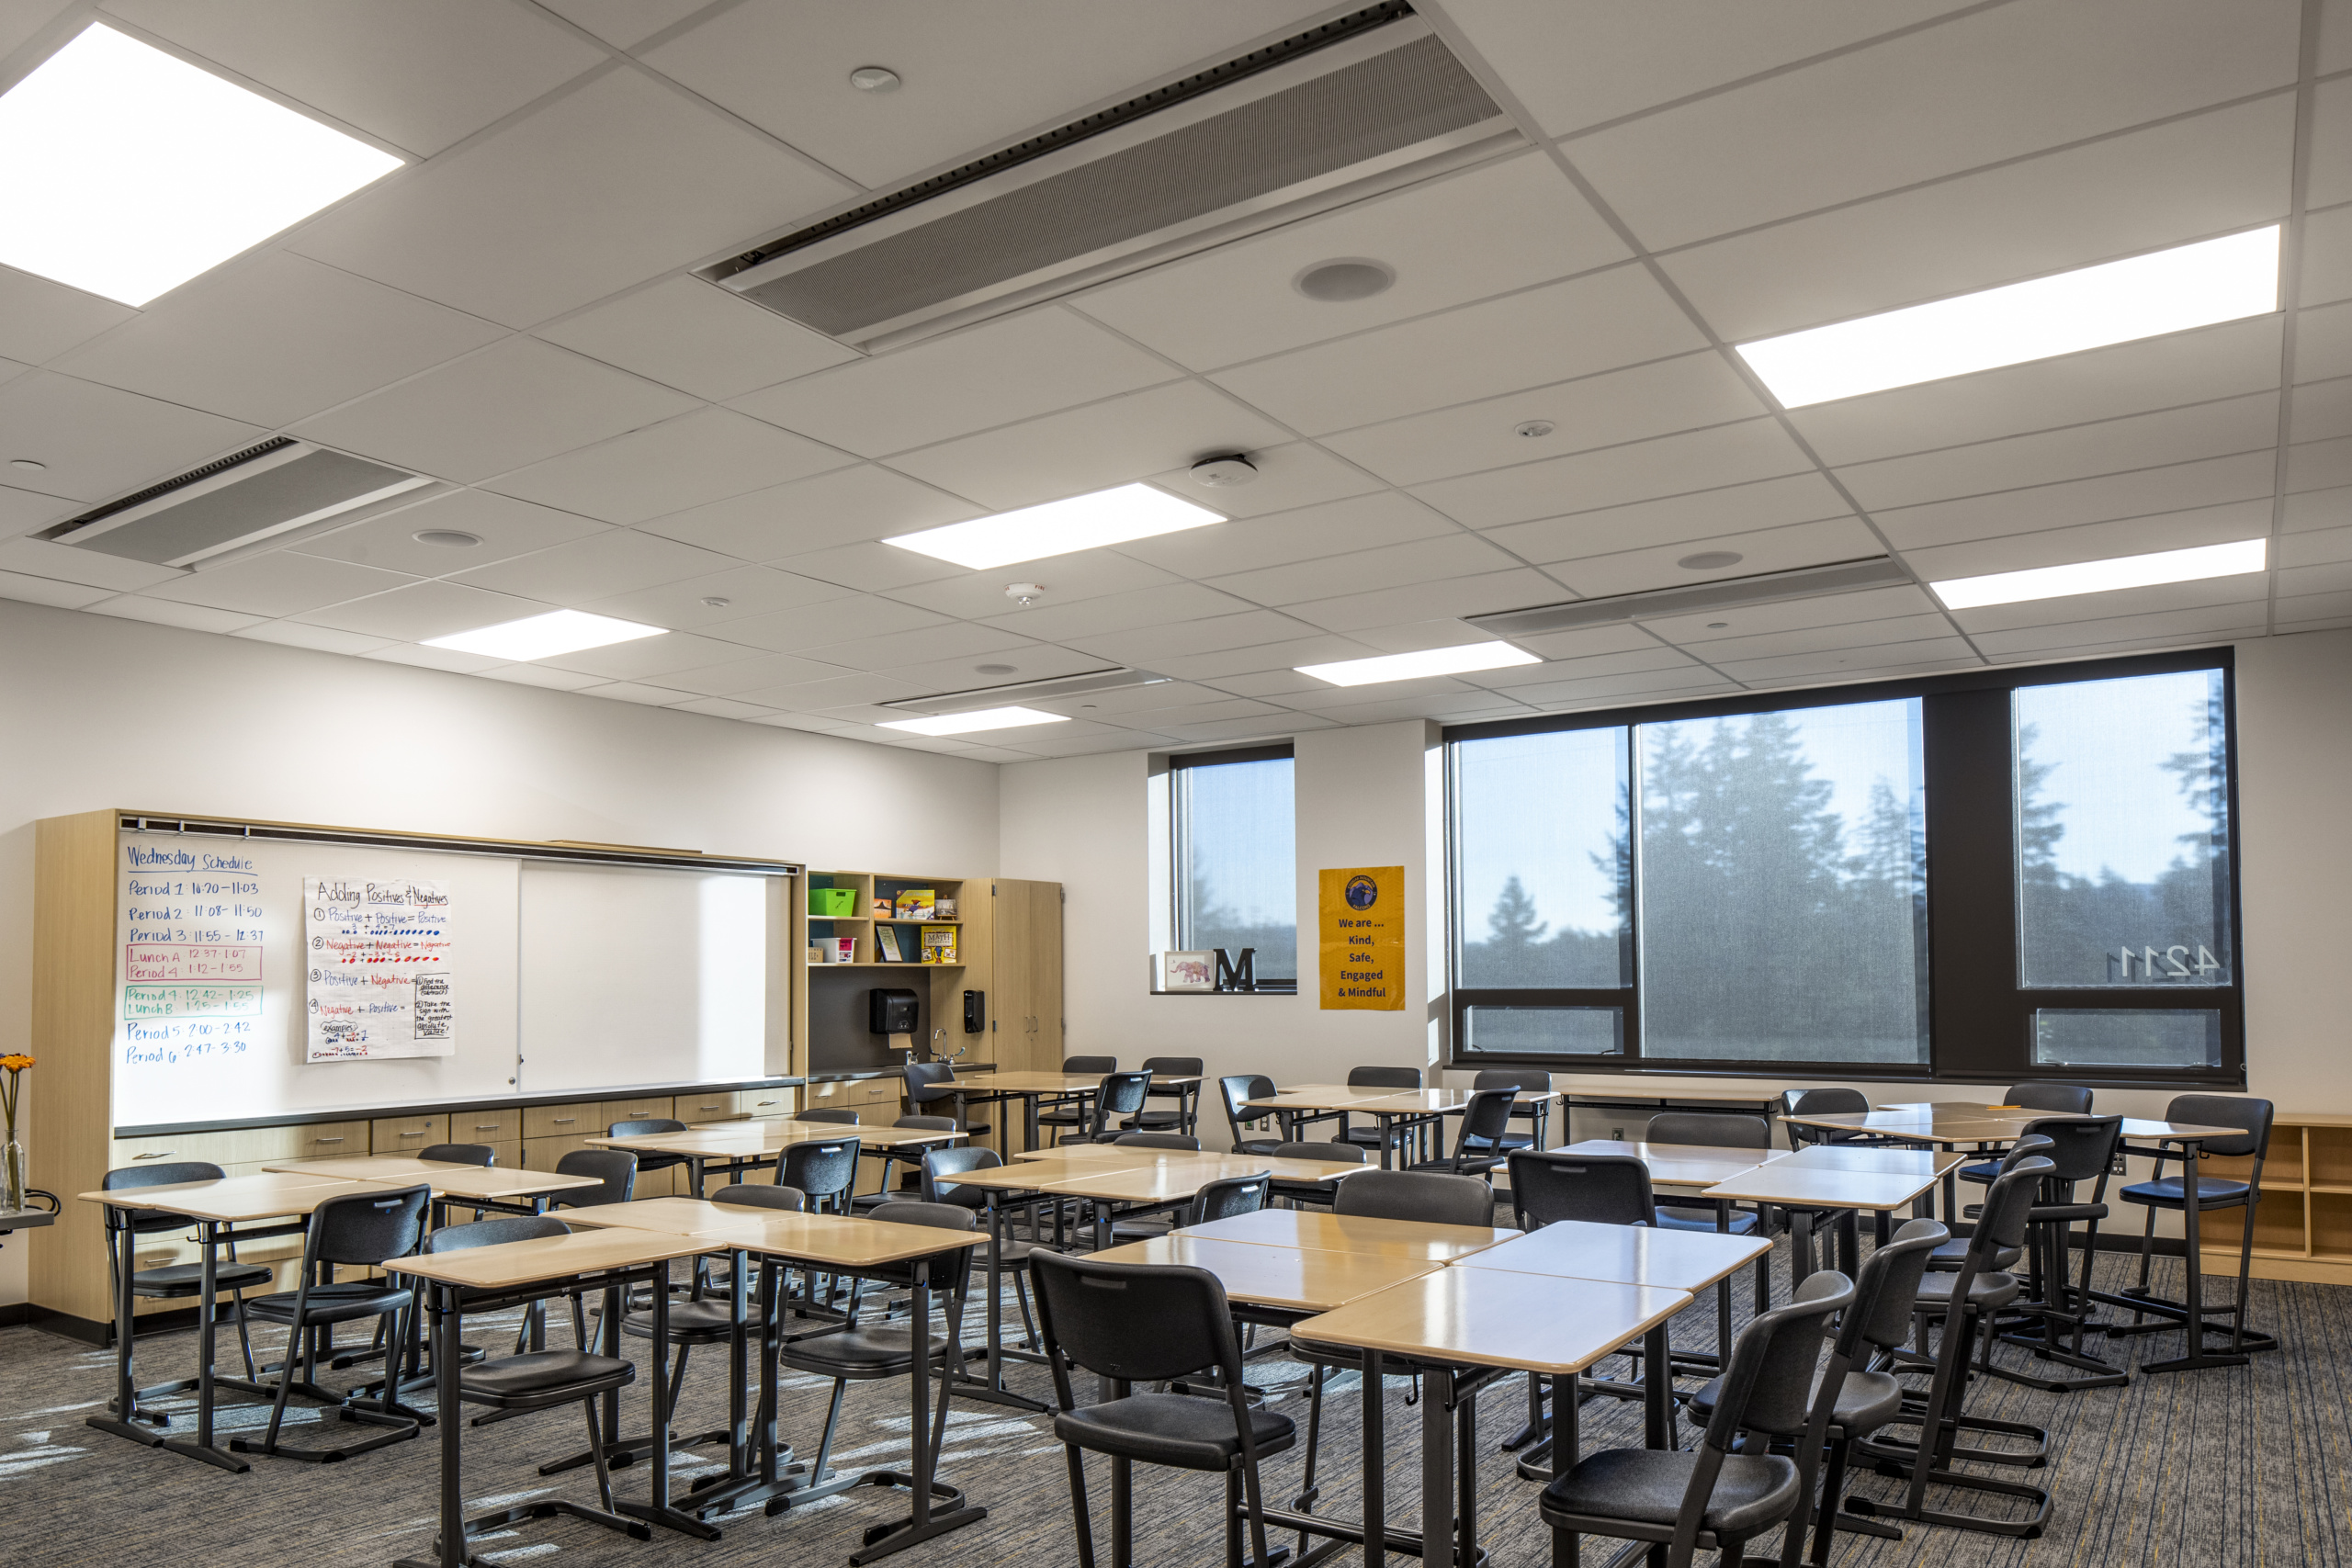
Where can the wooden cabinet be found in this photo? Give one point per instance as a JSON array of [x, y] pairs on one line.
[[2302, 1220], [714, 1105], [1025, 1007], [406, 1134], [561, 1121], [769, 1101], [493, 1127]]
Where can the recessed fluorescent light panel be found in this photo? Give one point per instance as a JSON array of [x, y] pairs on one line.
[[1455, 660], [544, 637], [1081, 522], [126, 171], [2103, 576], [984, 719], [2171, 291]]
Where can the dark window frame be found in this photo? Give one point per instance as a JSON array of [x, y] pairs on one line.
[[1179, 857], [1980, 1017]]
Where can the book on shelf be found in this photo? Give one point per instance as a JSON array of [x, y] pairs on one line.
[[888, 942], [916, 903], [939, 945], [881, 909]]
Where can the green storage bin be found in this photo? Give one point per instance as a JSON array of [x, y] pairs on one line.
[[832, 903]]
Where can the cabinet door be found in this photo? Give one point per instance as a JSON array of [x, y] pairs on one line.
[[1025, 1004]]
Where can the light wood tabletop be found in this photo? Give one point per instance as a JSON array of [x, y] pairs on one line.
[[1058, 1083], [1320, 1231], [1926, 1123], [1315, 1097], [672, 1216], [1624, 1255], [490, 1183], [1785, 1182], [1876, 1161], [837, 1241], [1535, 1322], [1679, 1165], [261, 1196], [774, 1132], [1293, 1278], [513, 1263], [1154, 1183]]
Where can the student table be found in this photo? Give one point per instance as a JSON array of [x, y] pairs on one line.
[[219, 1208], [1819, 1179], [1034, 1088], [1314, 1228], [505, 1191], [741, 1145], [1415, 1109]]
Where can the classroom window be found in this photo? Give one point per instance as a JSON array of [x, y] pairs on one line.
[[1236, 881], [1988, 876]]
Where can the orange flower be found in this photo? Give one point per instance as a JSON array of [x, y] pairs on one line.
[[16, 1064]]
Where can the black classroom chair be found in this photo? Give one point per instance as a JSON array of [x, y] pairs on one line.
[[1186, 1115], [1060, 1112], [1119, 1096], [1237, 1091], [1826, 1102], [645, 1127], [2171, 1193], [841, 1118], [940, 1167], [1311, 1194], [932, 1090], [1535, 1113], [910, 1184], [1378, 1077], [2080, 1148], [175, 1281], [1710, 1129], [1478, 1147]]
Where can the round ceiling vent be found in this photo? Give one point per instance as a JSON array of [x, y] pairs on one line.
[[1336, 281], [448, 538], [717, 602], [1711, 560], [1534, 429], [874, 79], [1226, 471]]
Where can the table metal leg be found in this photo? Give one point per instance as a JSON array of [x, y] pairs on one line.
[[923, 1524], [1800, 1260], [2194, 1353], [1657, 1391], [209, 1242], [1436, 1469], [657, 1509], [123, 1422], [1375, 1464]]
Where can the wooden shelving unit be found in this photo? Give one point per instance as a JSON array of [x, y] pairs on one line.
[[2302, 1221], [940, 985]]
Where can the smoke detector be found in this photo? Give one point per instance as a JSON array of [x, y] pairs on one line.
[[1025, 591], [1225, 469]]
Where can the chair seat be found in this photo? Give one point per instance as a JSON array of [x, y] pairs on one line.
[[2212, 1192], [1257, 1145], [1988, 1291], [1946, 1257], [1469, 1164], [1507, 1142], [1866, 1401], [1187, 1431], [1158, 1121], [2067, 1213], [859, 1353], [187, 1279], [1742, 1222], [1061, 1118], [333, 1304], [542, 1378], [1982, 1174], [705, 1322], [1645, 1487]]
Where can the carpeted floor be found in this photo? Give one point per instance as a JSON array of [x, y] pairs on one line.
[[2225, 1467]]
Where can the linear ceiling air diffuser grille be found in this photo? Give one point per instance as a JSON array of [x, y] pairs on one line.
[[1879, 572], [259, 494]]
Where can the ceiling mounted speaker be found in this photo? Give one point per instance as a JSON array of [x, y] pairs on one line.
[[263, 493], [1363, 104]]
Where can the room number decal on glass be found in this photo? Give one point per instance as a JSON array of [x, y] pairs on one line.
[[2165, 964]]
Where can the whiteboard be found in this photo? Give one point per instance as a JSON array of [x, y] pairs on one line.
[[570, 977]]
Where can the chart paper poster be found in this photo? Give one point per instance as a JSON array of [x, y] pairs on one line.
[[1363, 938], [378, 955], [191, 963]]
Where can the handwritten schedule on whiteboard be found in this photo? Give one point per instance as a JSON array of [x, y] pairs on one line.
[[378, 961], [191, 966]]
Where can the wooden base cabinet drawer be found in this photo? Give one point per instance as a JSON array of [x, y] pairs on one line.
[[562, 1121], [406, 1134], [244, 1145], [485, 1126], [769, 1101], [643, 1108], [714, 1105]]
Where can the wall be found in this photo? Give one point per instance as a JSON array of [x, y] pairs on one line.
[[1361, 800], [96, 712]]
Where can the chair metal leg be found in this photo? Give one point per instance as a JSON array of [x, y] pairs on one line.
[[1078, 1506], [1123, 1523]]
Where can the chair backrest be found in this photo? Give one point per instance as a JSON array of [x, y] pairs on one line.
[[2226, 1110], [843, 1118], [1485, 1117], [1430, 1196], [956, 1276], [822, 1169], [1132, 1321], [1829, 1102], [616, 1169], [1881, 1316], [1078, 1066], [927, 1123], [1512, 1077], [928, 1082], [1121, 1094], [1606, 1190], [2081, 1147], [1769, 1387], [1158, 1141], [1710, 1127], [2001, 1223], [1332, 1154], [644, 1127], [2029, 1145], [482, 1154], [1228, 1196], [369, 1227], [1238, 1090], [167, 1175], [1175, 1066], [791, 1199], [494, 1231], [1384, 1078], [2050, 1096], [939, 1165]]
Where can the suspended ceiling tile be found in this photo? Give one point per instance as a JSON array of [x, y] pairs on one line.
[[1658, 398], [1722, 648], [2115, 445], [2095, 541], [278, 583], [1772, 549], [2249, 588], [2231, 360], [505, 526], [426, 610], [973, 75], [514, 404], [1120, 611], [1532, 338], [1850, 660], [722, 707], [697, 337], [22, 511], [836, 693], [1869, 605], [1084, 574], [539, 675], [2316, 509], [624, 23], [1239, 301], [1733, 509], [1639, 470], [843, 506], [1299, 474], [993, 374], [444, 659], [2140, 492], [1579, 62], [732, 675], [870, 567], [2331, 166], [319, 639], [620, 560], [2163, 185], [698, 458], [2327, 255], [636, 692], [37, 558], [1583, 642], [49, 591], [2328, 576], [1632, 661], [2314, 548], [99, 442], [275, 337], [1997, 84], [2319, 465], [1483, 594], [595, 189], [1311, 533], [832, 620], [747, 591], [1364, 571], [421, 74], [165, 613], [1157, 647], [1093, 447], [2225, 622], [1607, 690], [1030, 662], [2321, 411], [650, 658], [1280, 659], [954, 641], [41, 319]]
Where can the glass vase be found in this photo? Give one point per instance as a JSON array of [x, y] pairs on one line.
[[12, 1176]]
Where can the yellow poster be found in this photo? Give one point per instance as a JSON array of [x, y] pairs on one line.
[[1363, 938]]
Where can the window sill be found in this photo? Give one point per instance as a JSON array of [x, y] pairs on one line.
[[1265, 988]]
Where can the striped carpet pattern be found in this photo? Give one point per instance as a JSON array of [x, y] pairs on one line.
[[2215, 1468]]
